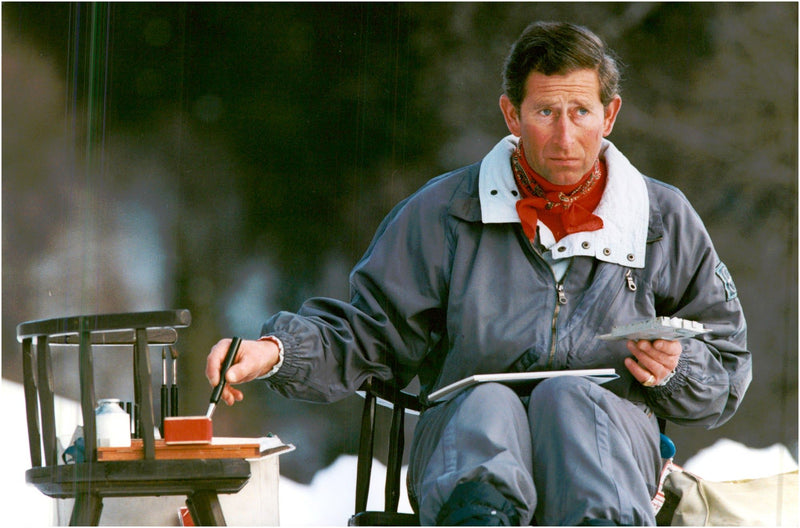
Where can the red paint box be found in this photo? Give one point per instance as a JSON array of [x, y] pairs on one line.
[[185, 517], [187, 430]]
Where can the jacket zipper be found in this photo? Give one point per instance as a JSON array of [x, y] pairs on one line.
[[561, 298], [629, 280]]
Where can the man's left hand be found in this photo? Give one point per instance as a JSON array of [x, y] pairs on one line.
[[654, 360]]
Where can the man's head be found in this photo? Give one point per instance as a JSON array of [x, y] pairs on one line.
[[558, 48], [561, 99]]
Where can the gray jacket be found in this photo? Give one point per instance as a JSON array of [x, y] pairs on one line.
[[449, 288]]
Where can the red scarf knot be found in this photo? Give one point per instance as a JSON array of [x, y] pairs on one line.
[[565, 209]]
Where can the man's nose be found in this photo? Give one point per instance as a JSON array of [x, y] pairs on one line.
[[564, 132]]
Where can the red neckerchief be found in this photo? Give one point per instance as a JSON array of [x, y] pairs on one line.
[[565, 209]]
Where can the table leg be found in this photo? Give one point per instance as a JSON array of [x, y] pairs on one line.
[[205, 508], [87, 509]]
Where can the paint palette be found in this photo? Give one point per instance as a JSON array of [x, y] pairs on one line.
[[671, 328]]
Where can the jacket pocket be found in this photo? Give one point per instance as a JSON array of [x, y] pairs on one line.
[[617, 296]]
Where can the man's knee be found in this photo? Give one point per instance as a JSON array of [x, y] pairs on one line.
[[492, 407], [553, 390], [559, 393], [560, 408], [492, 392]]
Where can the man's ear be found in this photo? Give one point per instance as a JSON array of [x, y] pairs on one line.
[[511, 115], [610, 114]]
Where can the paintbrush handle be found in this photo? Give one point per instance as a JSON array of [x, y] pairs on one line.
[[164, 390], [226, 364], [173, 400], [173, 396], [164, 405]]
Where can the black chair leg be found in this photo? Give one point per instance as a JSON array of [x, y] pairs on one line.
[[205, 508], [396, 441], [87, 510], [365, 450]]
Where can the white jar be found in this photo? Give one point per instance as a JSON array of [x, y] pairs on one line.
[[113, 424]]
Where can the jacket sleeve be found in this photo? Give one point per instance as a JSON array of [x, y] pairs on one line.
[[395, 308], [714, 369]]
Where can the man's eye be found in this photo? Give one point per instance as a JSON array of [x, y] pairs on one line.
[[583, 111], [546, 112]]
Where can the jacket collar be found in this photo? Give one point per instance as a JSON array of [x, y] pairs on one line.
[[624, 208]]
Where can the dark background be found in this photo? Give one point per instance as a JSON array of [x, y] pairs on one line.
[[234, 159]]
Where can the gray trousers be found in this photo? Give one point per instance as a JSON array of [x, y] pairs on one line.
[[575, 451]]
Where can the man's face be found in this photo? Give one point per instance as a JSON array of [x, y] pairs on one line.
[[562, 123]]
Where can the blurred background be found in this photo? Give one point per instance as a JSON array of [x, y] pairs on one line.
[[235, 159]]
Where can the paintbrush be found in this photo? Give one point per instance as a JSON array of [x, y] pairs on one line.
[[226, 364], [199, 429], [164, 390], [173, 397]]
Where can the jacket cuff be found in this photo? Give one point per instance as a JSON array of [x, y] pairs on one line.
[[286, 369], [677, 380], [281, 355]]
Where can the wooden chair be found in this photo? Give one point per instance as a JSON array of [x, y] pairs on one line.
[[89, 482], [378, 392]]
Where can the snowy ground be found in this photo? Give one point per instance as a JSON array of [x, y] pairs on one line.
[[330, 498], [332, 495]]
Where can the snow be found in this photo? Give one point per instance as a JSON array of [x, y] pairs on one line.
[[329, 499], [22, 504], [729, 460]]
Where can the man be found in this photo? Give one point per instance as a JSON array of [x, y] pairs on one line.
[[519, 263]]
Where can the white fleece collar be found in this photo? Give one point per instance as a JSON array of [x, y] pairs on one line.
[[624, 208]]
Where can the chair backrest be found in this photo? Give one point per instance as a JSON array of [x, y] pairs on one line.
[[138, 330]]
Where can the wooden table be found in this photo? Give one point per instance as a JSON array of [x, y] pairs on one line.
[[200, 480]]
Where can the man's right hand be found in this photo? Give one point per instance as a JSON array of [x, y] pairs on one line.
[[254, 359]]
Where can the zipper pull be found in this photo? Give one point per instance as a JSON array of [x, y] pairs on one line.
[[562, 297], [629, 280]]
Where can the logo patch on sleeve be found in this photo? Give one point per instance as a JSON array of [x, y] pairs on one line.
[[727, 281]]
